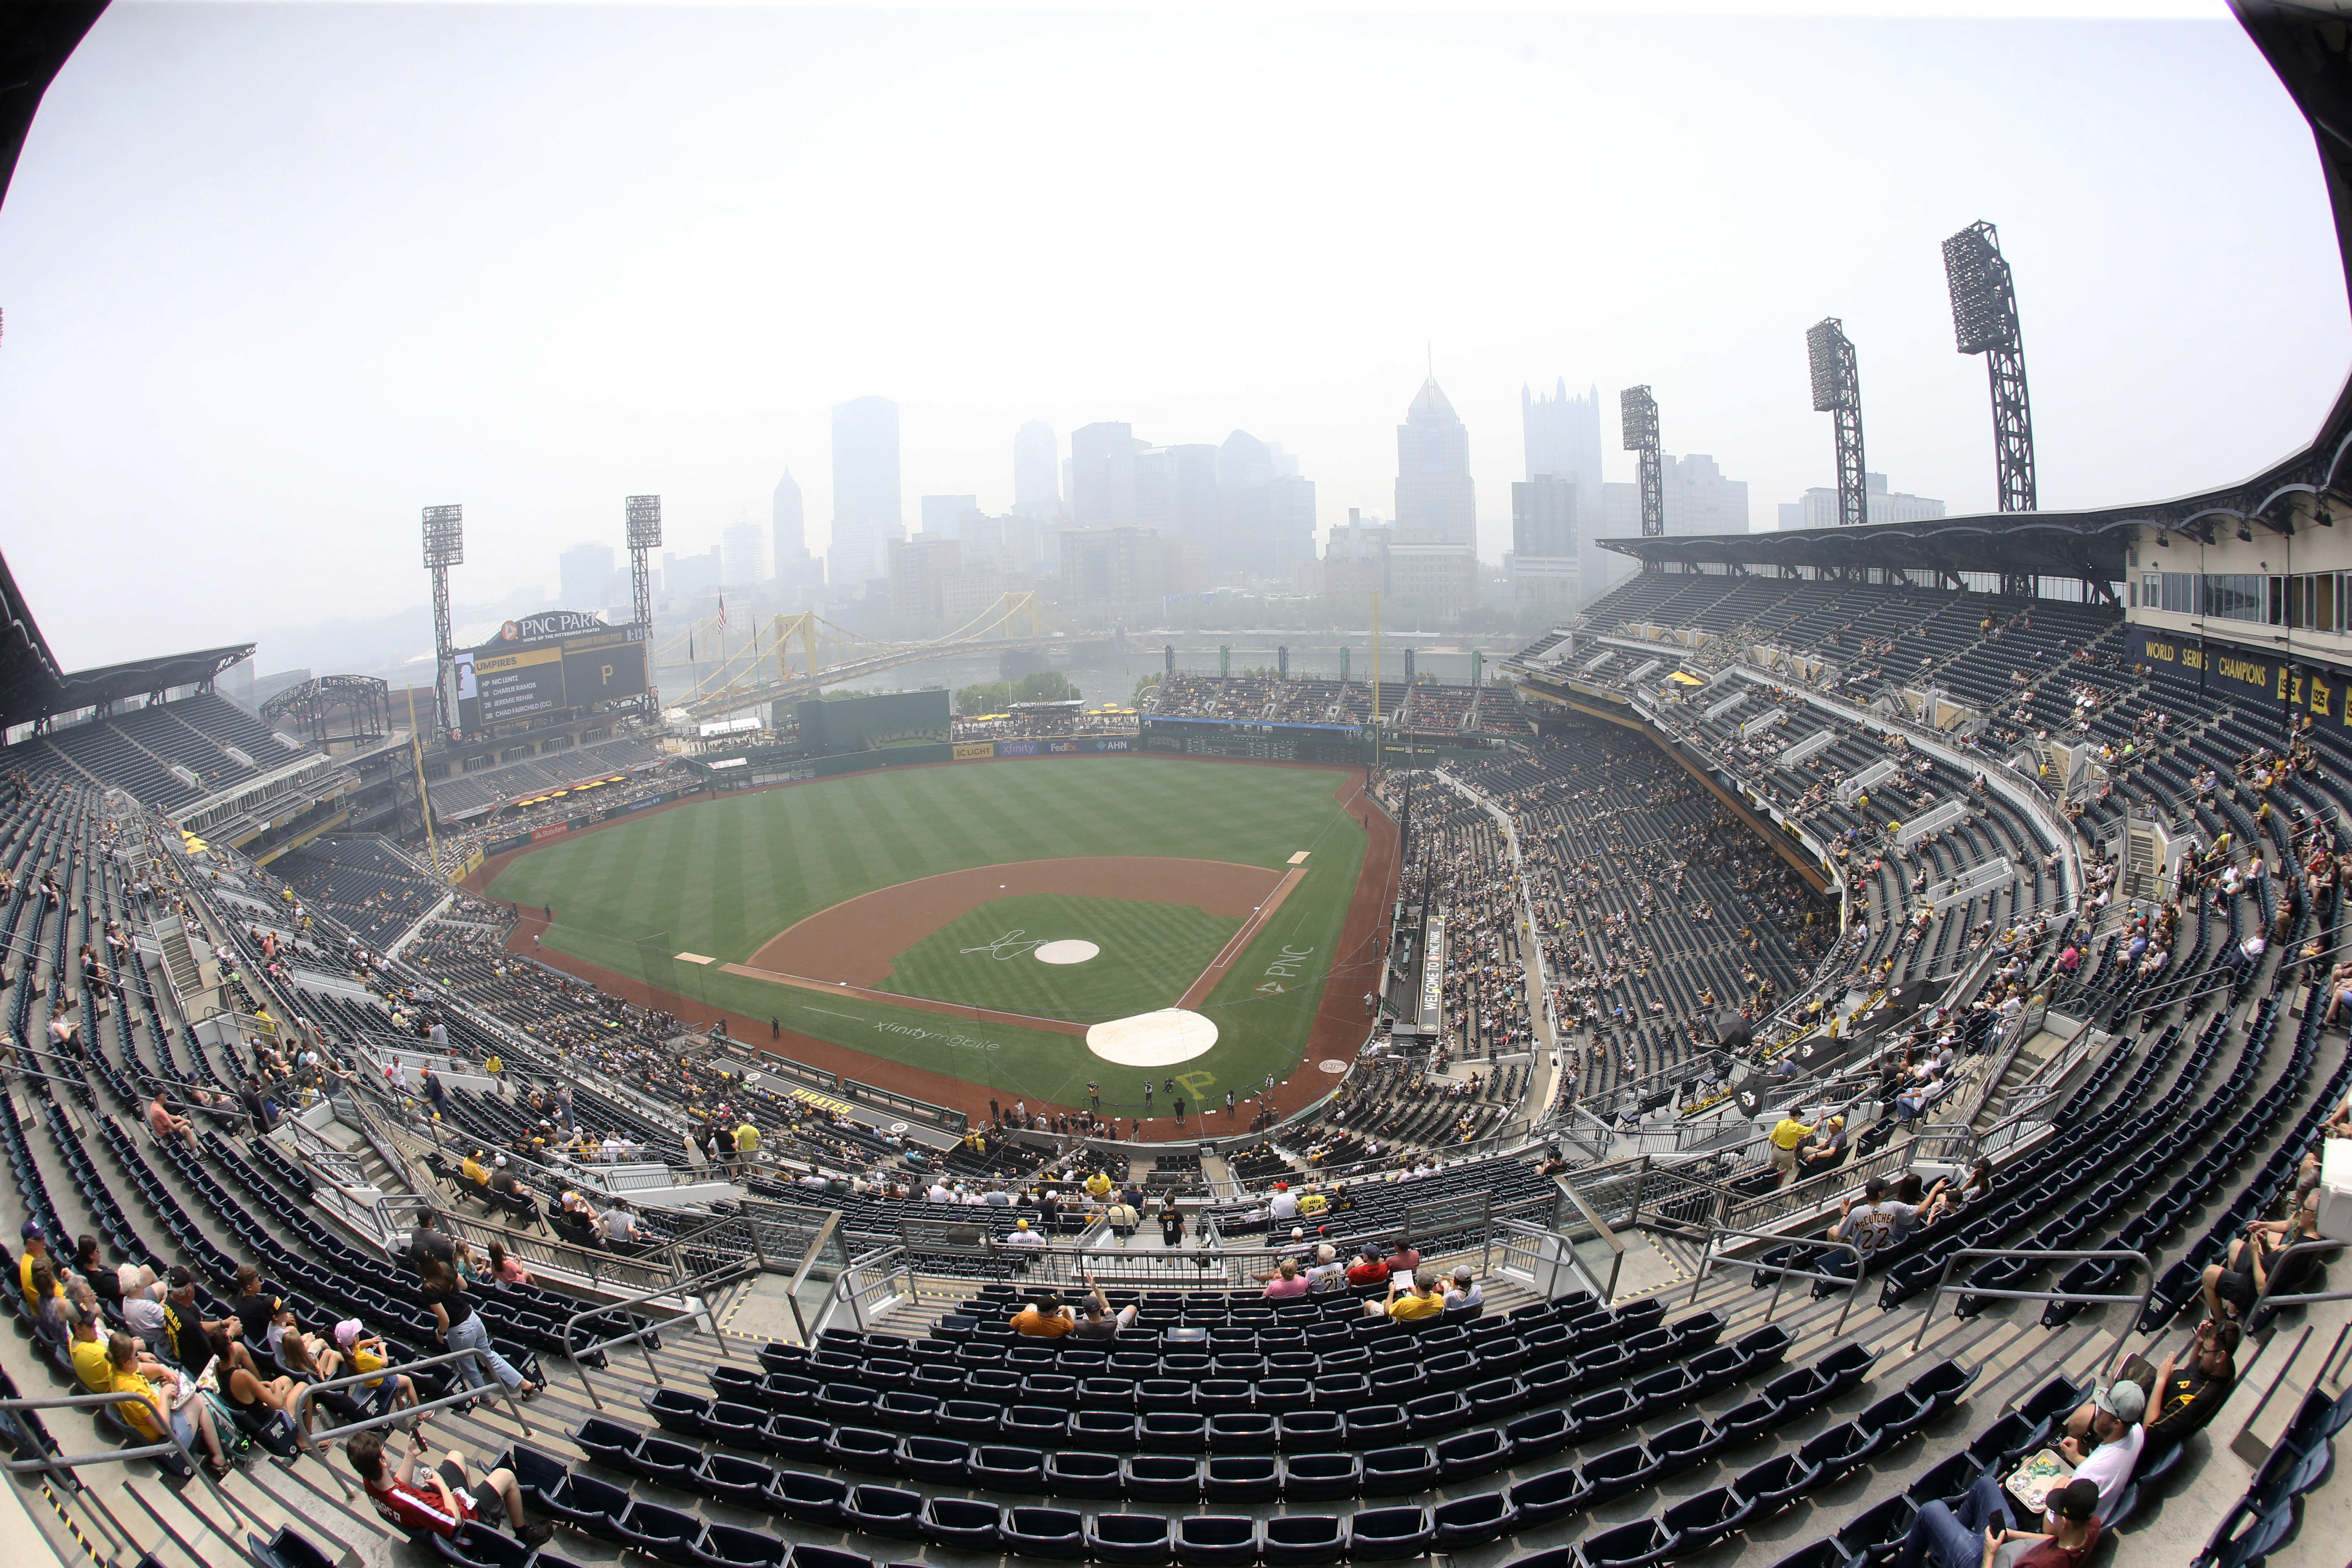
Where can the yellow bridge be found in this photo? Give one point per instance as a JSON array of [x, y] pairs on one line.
[[786, 655]]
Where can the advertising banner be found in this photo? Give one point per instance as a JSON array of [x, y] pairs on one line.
[[1016, 747], [1062, 748], [501, 846], [467, 867], [1119, 744], [554, 830], [651, 800], [972, 751], [2248, 675]]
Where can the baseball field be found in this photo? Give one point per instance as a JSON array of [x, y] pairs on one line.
[[1003, 930]]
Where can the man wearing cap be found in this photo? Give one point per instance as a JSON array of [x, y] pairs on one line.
[[1982, 1532], [473, 1169], [1282, 1207], [1785, 1137], [747, 1144], [1828, 1150], [1023, 1236], [195, 1340], [37, 1247], [1465, 1297], [1370, 1266], [2118, 1437], [1409, 1300], [1045, 1318], [1877, 1224]]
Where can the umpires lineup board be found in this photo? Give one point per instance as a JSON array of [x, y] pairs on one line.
[[520, 677]]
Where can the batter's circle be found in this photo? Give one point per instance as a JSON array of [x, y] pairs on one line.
[[1161, 1038]]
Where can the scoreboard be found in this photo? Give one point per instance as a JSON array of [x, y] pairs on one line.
[[550, 663]]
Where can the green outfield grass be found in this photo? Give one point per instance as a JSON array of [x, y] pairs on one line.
[[721, 877], [1151, 953]]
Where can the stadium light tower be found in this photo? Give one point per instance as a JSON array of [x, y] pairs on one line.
[[1639, 412], [1837, 392], [1984, 321], [444, 546], [644, 535]]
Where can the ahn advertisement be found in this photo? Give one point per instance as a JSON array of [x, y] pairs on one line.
[[549, 663]]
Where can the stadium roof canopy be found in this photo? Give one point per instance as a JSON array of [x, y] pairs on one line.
[[32, 688], [2310, 48], [35, 43]]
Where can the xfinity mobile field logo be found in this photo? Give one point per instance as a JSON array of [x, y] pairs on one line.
[[963, 1042]]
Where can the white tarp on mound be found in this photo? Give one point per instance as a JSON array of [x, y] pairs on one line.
[[1152, 1039]]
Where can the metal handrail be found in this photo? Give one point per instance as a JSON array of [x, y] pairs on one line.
[[50, 1463], [1709, 1258], [307, 1442], [725, 1275], [1944, 1282], [824, 1233], [1600, 1227]]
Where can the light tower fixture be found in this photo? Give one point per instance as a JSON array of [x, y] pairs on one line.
[[1984, 321], [644, 514], [1837, 392], [1638, 413], [444, 546]]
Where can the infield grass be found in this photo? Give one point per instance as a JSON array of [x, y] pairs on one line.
[[721, 877], [983, 958]]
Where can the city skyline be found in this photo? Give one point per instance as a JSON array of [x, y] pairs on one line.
[[516, 301]]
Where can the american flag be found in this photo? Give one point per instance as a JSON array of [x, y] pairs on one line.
[[722, 612]]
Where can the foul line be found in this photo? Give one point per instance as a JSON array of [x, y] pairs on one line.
[[1198, 992], [888, 998]]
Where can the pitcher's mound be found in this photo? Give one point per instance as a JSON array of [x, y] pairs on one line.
[[1067, 951], [1162, 1038]]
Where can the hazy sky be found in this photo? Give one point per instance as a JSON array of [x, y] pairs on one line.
[[277, 276]]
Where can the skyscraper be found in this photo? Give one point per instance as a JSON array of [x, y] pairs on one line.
[[866, 504], [944, 515], [788, 524], [1434, 498], [1036, 471], [1543, 541], [1563, 435], [583, 572], [746, 554], [1102, 475]]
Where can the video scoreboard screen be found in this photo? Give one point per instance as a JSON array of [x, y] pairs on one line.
[[546, 664]]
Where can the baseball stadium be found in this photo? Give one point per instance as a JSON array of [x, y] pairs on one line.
[[1831, 1054]]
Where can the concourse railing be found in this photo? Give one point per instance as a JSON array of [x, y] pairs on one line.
[[2083, 1297], [313, 1443], [1710, 1259]]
